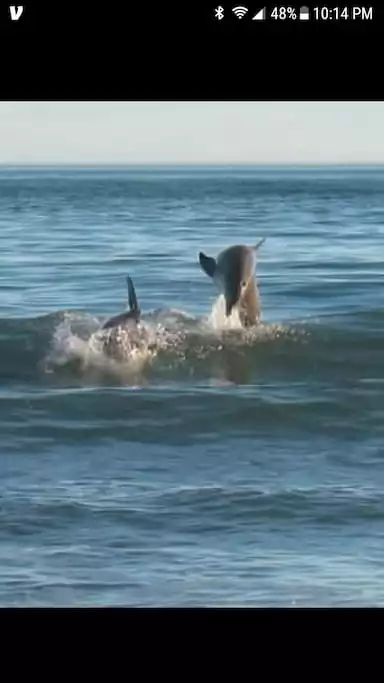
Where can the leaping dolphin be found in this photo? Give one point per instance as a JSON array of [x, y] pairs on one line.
[[234, 272]]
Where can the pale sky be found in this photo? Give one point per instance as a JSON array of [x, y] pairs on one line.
[[191, 132]]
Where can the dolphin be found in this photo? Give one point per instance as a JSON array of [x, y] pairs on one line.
[[124, 332], [127, 317], [234, 272]]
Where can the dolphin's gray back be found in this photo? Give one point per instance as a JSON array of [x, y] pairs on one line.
[[239, 261], [121, 319]]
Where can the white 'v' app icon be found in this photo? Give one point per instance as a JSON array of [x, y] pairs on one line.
[[16, 12]]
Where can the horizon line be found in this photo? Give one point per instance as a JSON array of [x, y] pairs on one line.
[[83, 164]]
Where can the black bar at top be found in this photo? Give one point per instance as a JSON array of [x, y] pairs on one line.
[[180, 52]]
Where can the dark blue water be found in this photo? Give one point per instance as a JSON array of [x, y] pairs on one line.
[[220, 467]]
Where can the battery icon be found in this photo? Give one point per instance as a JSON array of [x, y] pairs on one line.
[[304, 13]]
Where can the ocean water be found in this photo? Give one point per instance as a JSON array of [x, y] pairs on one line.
[[202, 465]]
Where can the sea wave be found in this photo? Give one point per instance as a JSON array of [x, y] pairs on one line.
[[170, 345]]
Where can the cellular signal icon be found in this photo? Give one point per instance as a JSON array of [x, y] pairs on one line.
[[239, 11], [259, 16]]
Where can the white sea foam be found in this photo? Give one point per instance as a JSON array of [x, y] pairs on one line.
[[125, 351]]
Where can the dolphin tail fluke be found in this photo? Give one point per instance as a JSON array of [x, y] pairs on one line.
[[208, 264]]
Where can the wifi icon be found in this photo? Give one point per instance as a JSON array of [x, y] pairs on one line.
[[240, 11]]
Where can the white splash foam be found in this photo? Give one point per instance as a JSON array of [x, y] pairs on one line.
[[121, 351], [126, 352], [230, 328], [218, 319], [66, 345]]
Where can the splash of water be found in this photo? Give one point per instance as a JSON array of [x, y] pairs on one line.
[[218, 320], [127, 353]]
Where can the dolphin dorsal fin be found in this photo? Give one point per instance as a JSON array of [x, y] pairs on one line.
[[208, 264], [132, 298]]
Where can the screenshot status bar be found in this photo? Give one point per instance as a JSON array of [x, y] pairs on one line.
[[19, 15], [289, 13]]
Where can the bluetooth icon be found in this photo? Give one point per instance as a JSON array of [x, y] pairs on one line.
[[219, 12]]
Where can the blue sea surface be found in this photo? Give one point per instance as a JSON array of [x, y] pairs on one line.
[[220, 466]]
